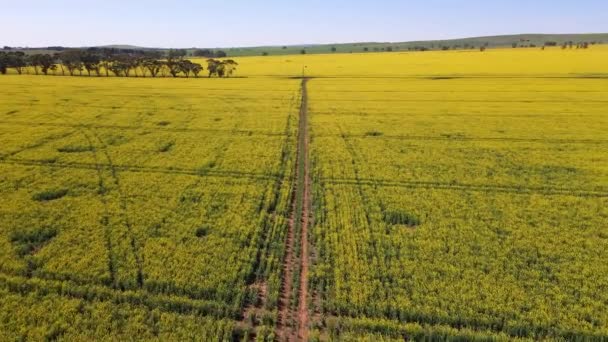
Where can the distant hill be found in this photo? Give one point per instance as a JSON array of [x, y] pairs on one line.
[[520, 40], [128, 47]]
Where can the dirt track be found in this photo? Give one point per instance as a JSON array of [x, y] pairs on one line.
[[293, 326]]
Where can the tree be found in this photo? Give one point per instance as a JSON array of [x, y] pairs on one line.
[[43, 61], [303, 51], [106, 60], [116, 67], [152, 65], [57, 59], [212, 66], [4, 63], [366, 49], [221, 54], [202, 53], [121, 62], [71, 59], [121, 65], [221, 68], [18, 61], [177, 54], [91, 62], [34, 62], [196, 69], [174, 66], [186, 67], [229, 66], [333, 49], [264, 53]]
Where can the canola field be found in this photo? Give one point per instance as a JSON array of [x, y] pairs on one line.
[[477, 203], [458, 194], [139, 207]]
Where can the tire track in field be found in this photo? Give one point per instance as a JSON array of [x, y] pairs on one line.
[[41, 142], [125, 211], [258, 280], [215, 131], [295, 261], [105, 219], [472, 139], [144, 169], [102, 190], [543, 190]]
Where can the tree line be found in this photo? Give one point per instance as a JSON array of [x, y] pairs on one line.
[[116, 62]]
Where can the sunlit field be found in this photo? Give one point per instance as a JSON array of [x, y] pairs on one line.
[[469, 202], [154, 195], [503, 62], [455, 194]]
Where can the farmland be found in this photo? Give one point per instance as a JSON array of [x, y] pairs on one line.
[[158, 197], [462, 202], [437, 194]]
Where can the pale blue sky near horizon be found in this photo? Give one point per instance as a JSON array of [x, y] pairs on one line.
[[190, 23]]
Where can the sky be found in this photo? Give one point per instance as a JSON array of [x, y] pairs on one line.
[[219, 23]]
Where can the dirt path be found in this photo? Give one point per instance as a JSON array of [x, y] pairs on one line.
[[293, 326], [306, 211]]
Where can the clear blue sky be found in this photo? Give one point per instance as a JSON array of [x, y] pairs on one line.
[[220, 23]]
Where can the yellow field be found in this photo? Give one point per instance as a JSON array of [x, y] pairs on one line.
[[463, 202], [503, 62], [158, 188], [457, 194]]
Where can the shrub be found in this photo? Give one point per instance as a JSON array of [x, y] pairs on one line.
[[202, 231]]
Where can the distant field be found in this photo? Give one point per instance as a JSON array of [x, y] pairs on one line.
[[498, 62], [457, 194]]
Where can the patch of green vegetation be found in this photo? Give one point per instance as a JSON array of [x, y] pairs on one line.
[[203, 170], [75, 149], [116, 140], [373, 133], [28, 241], [166, 146], [50, 195], [202, 231], [401, 217]]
